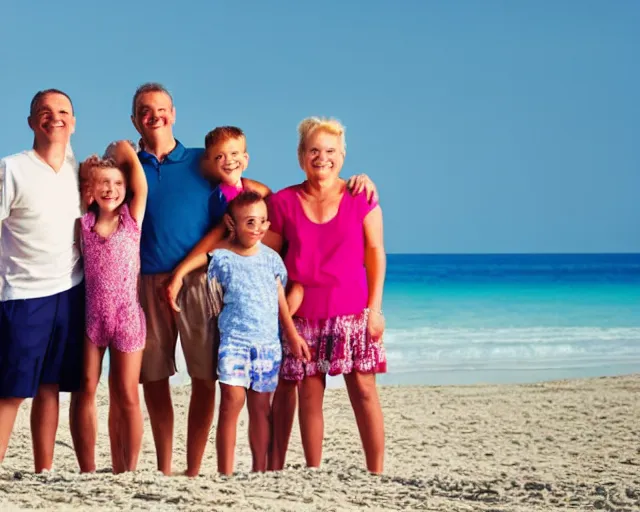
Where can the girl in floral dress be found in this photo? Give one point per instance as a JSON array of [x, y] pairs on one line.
[[110, 238]]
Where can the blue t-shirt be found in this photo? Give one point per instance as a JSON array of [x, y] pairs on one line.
[[250, 294], [177, 215]]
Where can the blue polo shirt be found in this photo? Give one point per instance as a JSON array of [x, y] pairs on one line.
[[177, 214], [218, 203]]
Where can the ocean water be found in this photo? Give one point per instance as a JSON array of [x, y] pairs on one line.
[[463, 319]]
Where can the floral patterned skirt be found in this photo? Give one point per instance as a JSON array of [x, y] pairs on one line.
[[338, 345]]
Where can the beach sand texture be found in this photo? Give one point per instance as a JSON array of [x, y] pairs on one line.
[[552, 446]]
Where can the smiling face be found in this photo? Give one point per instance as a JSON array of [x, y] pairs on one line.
[[154, 116], [323, 156], [109, 188], [227, 160], [52, 119], [249, 223]]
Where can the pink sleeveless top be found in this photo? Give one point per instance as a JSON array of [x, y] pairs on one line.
[[111, 269], [327, 259]]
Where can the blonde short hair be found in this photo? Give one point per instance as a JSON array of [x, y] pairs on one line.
[[310, 125]]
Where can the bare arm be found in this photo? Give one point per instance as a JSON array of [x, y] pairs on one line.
[[274, 241], [198, 256], [196, 259], [256, 186], [375, 262], [124, 154], [297, 345]]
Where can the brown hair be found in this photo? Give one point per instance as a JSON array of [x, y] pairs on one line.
[[35, 101], [223, 134], [245, 198]]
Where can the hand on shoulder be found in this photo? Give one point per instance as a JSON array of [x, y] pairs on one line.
[[361, 182], [256, 186]]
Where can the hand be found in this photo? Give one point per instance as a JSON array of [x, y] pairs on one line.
[[375, 325], [360, 182], [173, 286], [121, 151], [298, 347]]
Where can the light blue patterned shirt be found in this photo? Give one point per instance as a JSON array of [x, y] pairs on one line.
[[250, 294]]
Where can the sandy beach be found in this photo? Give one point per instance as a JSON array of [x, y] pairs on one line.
[[558, 445]]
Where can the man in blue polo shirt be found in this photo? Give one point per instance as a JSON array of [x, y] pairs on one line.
[[177, 218]]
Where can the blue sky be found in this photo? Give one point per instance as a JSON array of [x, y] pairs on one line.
[[489, 126]]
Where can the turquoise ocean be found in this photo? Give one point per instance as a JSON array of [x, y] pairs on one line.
[[466, 319], [509, 318]]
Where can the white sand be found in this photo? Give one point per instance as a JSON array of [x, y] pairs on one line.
[[562, 445]]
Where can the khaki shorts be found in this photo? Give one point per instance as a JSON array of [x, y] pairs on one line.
[[195, 325]]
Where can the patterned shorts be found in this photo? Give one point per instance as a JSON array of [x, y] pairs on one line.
[[249, 365], [338, 345]]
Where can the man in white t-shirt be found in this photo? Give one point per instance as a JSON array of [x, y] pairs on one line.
[[41, 288]]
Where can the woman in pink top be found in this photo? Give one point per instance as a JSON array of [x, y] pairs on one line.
[[335, 252]]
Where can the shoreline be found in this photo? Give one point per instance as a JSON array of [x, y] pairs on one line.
[[477, 377], [517, 447]]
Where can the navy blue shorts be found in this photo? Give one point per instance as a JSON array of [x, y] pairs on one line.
[[41, 342]]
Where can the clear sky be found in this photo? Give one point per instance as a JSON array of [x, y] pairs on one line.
[[489, 126]]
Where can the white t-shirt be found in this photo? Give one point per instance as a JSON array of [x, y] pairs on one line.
[[39, 209]]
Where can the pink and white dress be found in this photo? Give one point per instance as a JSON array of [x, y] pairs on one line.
[[328, 261], [112, 268]]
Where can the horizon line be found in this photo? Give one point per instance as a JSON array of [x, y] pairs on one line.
[[629, 253]]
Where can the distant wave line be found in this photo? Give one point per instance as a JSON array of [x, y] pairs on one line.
[[510, 335]]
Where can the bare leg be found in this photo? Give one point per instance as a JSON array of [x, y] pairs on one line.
[[44, 425], [231, 402], [283, 412], [201, 409], [259, 405], [285, 398], [115, 431], [311, 418], [125, 368], [83, 415], [8, 412], [366, 407], [157, 396]]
